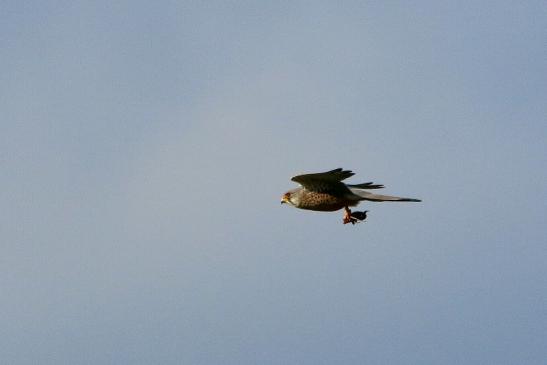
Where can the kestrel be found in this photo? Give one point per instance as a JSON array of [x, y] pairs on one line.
[[325, 191]]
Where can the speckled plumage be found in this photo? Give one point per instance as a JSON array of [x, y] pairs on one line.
[[311, 200]]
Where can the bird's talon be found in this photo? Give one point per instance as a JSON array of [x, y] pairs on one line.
[[350, 219]]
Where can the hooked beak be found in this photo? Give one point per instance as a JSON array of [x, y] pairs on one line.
[[284, 200]]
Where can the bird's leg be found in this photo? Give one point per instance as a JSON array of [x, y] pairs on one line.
[[347, 217]]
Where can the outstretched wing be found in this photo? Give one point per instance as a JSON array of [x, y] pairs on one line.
[[325, 182], [367, 185]]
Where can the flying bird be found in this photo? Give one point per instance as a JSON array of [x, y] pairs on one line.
[[325, 191]]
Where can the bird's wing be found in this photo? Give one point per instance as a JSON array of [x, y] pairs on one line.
[[367, 185], [365, 195], [324, 182]]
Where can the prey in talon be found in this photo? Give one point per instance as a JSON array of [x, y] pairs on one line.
[[360, 216]]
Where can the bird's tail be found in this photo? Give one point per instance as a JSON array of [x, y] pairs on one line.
[[365, 195]]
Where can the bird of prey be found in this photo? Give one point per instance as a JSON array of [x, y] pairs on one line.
[[325, 191]]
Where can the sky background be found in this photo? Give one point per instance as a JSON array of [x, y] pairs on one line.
[[144, 148]]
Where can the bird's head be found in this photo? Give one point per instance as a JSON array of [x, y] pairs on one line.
[[292, 197], [286, 198]]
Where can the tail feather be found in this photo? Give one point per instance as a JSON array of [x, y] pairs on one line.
[[365, 195]]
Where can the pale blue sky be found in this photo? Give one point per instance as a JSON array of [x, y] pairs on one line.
[[145, 147]]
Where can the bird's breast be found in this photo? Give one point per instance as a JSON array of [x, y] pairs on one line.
[[321, 202]]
